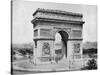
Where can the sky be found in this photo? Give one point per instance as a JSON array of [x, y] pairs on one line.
[[22, 29]]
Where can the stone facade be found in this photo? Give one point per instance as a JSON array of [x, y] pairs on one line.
[[46, 23]]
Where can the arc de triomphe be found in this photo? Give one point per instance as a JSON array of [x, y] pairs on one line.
[[48, 22]]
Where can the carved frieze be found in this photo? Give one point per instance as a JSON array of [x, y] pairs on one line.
[[76, 48], [76, 51], [45, 49], [76, 33], [46, 32]]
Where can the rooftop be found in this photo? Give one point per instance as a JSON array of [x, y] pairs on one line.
[[57, 12]]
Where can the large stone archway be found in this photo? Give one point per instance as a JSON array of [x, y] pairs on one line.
[[61, 45], [64, 39], [46, 23]]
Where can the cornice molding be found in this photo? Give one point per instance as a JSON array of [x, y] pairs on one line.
[[37, 39], [37, 19]]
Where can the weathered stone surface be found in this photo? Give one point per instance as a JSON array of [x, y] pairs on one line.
[[49, 22]]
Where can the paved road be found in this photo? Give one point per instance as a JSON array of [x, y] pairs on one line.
[[25, 67]]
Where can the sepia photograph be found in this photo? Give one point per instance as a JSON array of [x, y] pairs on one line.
[[52, 37]]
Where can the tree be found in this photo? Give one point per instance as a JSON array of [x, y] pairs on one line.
[[22, 51], [92, 64]]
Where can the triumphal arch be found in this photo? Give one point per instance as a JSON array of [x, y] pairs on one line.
[[48, 22]]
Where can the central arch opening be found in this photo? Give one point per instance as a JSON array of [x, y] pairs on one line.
[[61, 39]]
